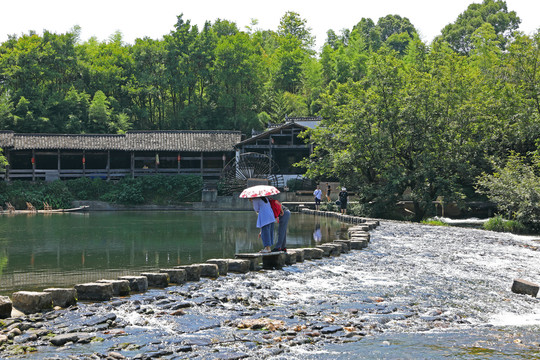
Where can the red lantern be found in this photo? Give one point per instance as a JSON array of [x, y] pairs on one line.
[[84, 160], [179, 158], [33, 160]]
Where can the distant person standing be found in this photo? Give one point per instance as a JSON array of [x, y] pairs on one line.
[[328, 190], [343, 196], [318, 197]]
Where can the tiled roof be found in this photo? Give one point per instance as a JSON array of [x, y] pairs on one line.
[[271, 131], [206, 141]]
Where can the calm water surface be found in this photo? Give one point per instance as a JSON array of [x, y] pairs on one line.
[[38, 251]]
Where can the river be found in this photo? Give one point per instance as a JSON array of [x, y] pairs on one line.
[[416, 292], [65, 249]]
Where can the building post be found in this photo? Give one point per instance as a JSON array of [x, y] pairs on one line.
[[59, 164], [201, 163], [33, 165], [108, 165], [8, 157], [132, 165], [270, 147]]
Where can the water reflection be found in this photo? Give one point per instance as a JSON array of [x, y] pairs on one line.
[[60, 250]]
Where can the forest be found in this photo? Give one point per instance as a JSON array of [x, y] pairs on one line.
[[458, 118]]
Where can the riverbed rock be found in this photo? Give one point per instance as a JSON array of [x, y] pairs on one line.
[[63, 297], [136, 283], [193, 272], [32, 301], [120, 287], [94, 291], [209, 270], [525, 287], [60, 340], [5, 307], [157, 280], [222, 264], [176, 276], [238, 266]]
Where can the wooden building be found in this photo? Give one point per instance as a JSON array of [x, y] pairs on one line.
[[136, 153], [282, 144]]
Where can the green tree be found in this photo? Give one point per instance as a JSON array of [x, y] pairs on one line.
[[494, 12], [515, 187], [237, 86], [99, 114], [292, 24], [395, 24]]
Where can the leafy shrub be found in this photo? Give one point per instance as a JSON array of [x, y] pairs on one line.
[[434, 222], [329, 206], [498, 223], [300, 184], [159, 189], [55, 193], [88, 189], [515, 188]]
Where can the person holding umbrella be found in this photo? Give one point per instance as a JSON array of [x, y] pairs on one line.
[[265, 215]]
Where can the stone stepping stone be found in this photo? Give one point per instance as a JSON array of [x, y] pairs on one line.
[[157, 280], [63, 297], [30, 302], [193, 272], [299, 253], [209, 270], [238, 266], [94, 291], [222, 264], [358, 244], [136, 283], [313, 253], [120, 287], [176, 276], [290, 258], [330, 249], [271, 260], [347, 244]]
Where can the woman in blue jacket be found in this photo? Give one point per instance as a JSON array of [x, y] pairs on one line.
[[265, 222]]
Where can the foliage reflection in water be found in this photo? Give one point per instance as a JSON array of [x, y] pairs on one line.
[[64, 249]]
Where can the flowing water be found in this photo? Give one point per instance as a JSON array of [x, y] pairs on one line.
[[416, 292]]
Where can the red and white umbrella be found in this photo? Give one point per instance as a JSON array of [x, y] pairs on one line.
[[259, 191]]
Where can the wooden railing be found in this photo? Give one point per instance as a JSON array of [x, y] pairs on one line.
[[110, 174]]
